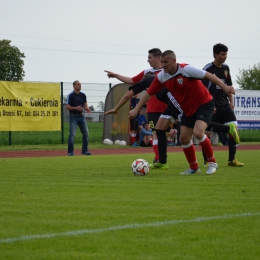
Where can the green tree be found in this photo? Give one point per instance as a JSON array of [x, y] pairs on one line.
[[249, 79], [11, 63]]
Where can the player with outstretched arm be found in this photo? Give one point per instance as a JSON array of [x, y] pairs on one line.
[[184, 82]]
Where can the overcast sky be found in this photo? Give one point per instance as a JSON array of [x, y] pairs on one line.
[[65, 40]]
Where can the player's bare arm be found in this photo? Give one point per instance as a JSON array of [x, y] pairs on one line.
[[122, 78], [231, 101], [214, 79], [133, 113], [122, 101], [112, 111]]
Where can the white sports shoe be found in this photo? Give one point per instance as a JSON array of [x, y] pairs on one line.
[[190, 171], [212, 167]]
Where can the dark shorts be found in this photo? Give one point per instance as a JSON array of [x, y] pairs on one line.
[[133, 124], [152, 119], [143, 144], [223, 116], [142, 84], [173, 108], [203, 113], [171, 111]]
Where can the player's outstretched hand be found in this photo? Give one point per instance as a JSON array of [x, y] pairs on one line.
[[110, 74], [132, 113], [229, 90], [112, 111]]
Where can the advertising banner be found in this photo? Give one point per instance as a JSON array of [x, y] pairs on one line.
[[247, 109], [26, 106]]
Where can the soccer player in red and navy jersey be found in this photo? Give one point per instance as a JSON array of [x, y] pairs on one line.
[[184, 83], [154, 107]]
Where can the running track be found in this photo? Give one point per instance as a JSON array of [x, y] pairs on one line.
[[109, 151]]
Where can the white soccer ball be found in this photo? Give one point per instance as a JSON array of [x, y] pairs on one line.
[[122, 143], [117, 142], [140, 167], [107, 141]]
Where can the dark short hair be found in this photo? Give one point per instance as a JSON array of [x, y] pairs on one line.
[[74, 83], [155, 52], [219, 47], [146, 123], [168, 52]]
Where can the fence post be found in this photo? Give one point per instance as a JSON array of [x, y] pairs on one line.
[[10, 138], [61, 112], [110, 85]]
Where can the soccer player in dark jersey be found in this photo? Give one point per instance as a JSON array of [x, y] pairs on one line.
[[184, 83], [223, 103]]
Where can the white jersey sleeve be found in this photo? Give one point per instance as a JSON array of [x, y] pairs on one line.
[[185, 70], [193, 72]]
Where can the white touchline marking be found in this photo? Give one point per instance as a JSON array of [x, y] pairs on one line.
[[128, 226]]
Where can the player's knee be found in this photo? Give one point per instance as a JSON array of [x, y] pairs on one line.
[[198, 133], [184, 139]]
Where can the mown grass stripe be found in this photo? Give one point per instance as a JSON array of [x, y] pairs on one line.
[[128, 226]]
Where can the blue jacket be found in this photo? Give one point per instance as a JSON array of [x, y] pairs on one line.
[[144, 132], [141, 120]]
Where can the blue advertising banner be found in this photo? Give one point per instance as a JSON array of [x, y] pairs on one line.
[[247, 109]]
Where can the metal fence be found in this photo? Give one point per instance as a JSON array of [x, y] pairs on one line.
[[96, 95]]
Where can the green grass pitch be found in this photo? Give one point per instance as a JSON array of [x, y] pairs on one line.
[[94, 208]]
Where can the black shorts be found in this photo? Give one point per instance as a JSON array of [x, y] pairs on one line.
[[203, 113], [171, 111], [133, 124], [152, 119], [143, 144], [223, 116], [142, 84]]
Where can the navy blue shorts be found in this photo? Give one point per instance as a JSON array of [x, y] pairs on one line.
[[133, 124]]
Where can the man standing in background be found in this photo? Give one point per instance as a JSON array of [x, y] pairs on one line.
[[76, 104]]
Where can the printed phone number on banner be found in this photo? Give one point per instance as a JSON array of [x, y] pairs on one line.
[[29, 113]]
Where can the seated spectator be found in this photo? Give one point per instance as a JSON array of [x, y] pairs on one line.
[[146, 136], [141, 120], [172, 135]]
